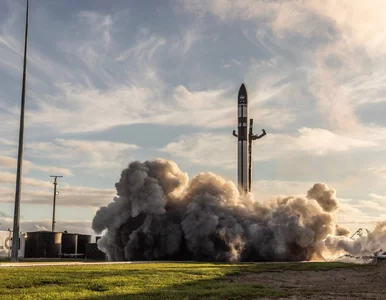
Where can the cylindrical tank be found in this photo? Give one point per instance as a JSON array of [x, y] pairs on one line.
[[69, 243], [43, 244], [83, 240]]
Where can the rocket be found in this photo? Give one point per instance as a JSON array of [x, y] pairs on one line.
[[244, 142], [242, 139]]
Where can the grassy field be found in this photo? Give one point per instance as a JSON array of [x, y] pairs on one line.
[[145, 281]]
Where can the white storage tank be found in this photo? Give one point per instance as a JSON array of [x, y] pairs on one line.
[[6, 244]]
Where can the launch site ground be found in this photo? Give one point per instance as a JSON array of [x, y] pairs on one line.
[[195, 281]]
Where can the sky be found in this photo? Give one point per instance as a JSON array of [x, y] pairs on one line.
[[110, 82]]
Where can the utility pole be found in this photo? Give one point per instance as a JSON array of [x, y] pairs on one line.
[[19, 173], [55, 193]]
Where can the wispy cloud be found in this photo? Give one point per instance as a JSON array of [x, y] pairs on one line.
[[68, 195], [344, 49], [37, 191], [361, 213], [233, 62], [204, 149], [10, 178], [95, 110], [11, 163], [378, 171], [92, 109], [135, 93], [186, 38], [305, 18], [144, 49], [84, 153], [353, 217], [321, 141], [72, 226], [220, 149], [93, 45]]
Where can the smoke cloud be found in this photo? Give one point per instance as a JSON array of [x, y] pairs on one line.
[[371, 243], [159, 214]]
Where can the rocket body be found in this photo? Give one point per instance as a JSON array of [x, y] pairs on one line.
[[242, 141]]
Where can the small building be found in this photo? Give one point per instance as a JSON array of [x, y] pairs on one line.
[[6, 244]]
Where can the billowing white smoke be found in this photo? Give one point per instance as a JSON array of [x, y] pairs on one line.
[[160, 214], [363, 245]]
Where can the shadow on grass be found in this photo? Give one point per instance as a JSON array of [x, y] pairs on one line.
[[218, 288], [224, 287]]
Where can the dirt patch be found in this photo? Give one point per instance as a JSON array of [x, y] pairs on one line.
[[337, 284]]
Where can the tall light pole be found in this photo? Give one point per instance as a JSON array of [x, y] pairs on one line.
[[55, 193], [19, 173]]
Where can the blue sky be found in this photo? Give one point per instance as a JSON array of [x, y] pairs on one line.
[[114, 81]]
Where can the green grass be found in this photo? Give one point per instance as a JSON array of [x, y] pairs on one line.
[[145, 281]]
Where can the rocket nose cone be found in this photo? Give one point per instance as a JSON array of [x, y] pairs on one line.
[[242, 97]]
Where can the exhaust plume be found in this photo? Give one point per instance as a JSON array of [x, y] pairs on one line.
[[159, 214]]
